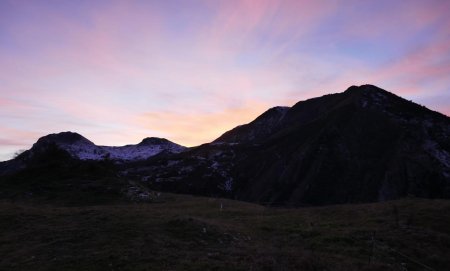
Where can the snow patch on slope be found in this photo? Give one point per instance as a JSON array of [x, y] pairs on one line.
[[81, 148]]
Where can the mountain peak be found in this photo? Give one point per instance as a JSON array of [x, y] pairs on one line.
[[280, 108], [81, 148], [64, 138], [365, 87], [383, 101], [153, 141]]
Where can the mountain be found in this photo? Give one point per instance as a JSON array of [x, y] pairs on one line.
[[257, 130], [67, 167], [365, 144], [81, 148], [362, 145]]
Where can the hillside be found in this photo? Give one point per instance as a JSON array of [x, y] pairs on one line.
[[361, 145], [191, 233]]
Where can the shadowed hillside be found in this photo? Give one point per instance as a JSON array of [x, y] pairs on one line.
[[191, 233], [361, 145]]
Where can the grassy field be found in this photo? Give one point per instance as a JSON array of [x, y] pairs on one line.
[[194, 233]]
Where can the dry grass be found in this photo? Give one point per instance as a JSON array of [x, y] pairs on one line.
[[194, 233]]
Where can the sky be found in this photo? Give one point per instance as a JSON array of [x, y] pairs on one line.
[[189, 70]]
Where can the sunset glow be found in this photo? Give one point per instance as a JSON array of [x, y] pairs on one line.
[[119, 71]]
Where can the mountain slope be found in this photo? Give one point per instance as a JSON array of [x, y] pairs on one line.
[[364, 144], [68, 168], [257, 130], [361, 145], [81, 148]]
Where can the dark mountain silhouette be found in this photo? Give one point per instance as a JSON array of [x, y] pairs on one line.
[[364, 144], [256, 131]]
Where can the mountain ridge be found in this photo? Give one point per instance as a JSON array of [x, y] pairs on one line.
[[364, 144], [361, 145], [81, 148]]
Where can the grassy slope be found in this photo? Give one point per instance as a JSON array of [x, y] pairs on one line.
[[192, 233]]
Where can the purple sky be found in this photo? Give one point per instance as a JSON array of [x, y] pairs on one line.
[[119, 71]]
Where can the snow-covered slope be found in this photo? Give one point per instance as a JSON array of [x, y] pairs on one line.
[[81, 148]]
